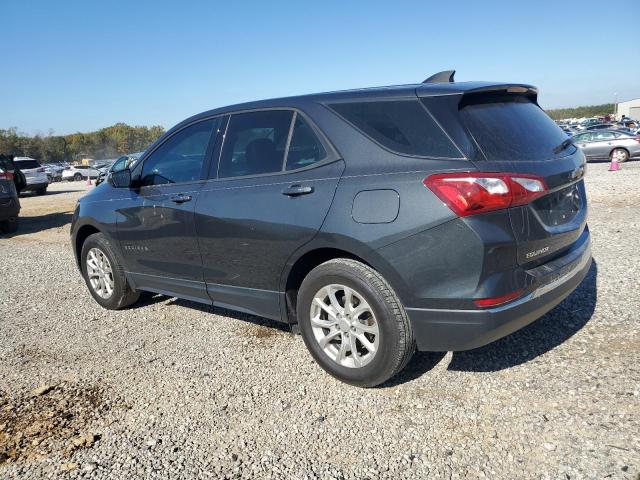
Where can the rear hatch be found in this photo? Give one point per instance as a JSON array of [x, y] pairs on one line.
[[33, 171], [502, 129]]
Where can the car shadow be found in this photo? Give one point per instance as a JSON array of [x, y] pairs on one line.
[[39, 223], [49, 193], [543, 335], [150, 299]]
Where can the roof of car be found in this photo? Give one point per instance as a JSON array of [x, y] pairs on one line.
[[393, 91]]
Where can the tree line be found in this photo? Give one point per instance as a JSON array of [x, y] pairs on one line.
[[580, 112], [109, 142]]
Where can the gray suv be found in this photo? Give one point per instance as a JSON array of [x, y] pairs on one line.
[[438, 216]]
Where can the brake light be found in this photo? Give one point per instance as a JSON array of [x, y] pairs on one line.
[[470, 193], [495, 301], [6, 175], [40, 170]]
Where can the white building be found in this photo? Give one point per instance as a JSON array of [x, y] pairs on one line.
[[629, 109]]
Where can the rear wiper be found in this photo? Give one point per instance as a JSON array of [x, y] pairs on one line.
[[563, 145]]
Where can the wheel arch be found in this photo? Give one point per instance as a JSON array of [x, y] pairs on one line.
[[301, 264], [84, 232]]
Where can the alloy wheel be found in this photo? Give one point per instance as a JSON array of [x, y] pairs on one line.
[[100, 273], [344, 325]]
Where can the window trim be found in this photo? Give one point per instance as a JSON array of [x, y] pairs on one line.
[[332, 154], [328, 104]]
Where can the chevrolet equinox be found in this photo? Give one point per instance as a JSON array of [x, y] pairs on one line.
[[438, 216]]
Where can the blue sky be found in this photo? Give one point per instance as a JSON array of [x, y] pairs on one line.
[[78, 66]]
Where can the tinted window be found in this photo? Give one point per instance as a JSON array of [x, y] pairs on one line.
[[305, 148], [180, 158], [402, 126], [255, 143], [508, 128], [26, 164]]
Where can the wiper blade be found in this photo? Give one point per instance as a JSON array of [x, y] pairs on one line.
[[563, 145]]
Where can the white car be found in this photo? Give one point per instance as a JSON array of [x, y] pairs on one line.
[[79, 172], [34, 173]]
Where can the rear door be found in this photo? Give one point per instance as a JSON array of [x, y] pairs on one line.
[[601, 144], [155, 221], [268, 196], [509, 132]]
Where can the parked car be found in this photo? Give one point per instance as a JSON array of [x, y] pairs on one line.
[[120, 164], [608, 145], [54, 172], [79, 172], [9, 201], [35, 174], [374, 220], [600, 126]]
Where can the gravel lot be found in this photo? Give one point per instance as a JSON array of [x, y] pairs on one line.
[[174, 389]]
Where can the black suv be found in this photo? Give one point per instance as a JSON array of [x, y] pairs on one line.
[[440, 215]]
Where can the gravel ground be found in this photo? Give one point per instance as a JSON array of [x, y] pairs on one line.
[[174, 389]]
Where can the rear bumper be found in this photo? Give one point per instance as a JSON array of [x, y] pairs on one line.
[[9, 208], [35, 186], [455, 330]]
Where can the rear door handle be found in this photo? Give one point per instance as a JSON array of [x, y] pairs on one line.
[[181, 198], [297, 190]]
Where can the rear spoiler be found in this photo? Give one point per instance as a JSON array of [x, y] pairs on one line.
[[474, 89]]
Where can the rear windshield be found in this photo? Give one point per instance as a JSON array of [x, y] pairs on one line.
[[26, 164], [403, 126], [512, 127]]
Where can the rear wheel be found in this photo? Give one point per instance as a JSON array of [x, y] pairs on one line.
[[620, 155], [353, 323], [41, 191], [104, 274], [77, 177]]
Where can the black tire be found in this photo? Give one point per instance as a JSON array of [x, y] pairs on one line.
[[9, 226], [77, 177], [41, 191], [396, 343], [623, 155], [122, 295]]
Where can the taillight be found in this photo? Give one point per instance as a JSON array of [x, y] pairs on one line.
[[40, 170], [6, 175], [495, 301], [478, 192]]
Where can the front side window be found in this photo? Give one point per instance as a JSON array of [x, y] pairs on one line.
[[120, 164], [180, 158], [305, 149], [603, 136], [255, 143], [403, 126]]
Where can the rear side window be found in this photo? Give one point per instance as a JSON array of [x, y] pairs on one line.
[[27, 164], [403, 126], [305, 149], [512, 128], [255, 143]]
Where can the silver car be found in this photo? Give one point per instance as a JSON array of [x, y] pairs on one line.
[[608, 145]]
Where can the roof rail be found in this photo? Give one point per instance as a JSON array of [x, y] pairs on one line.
[[441, 77]]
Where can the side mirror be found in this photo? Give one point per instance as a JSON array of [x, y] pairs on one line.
[[121, 179]]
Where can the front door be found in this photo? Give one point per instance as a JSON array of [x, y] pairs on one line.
[[261, 208], [155, 222]]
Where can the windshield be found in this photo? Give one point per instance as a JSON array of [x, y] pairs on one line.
[[512, 128]]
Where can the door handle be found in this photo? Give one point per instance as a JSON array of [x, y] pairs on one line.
[[297, 190], [181, 198]]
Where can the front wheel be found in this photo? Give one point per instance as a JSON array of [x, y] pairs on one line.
[[77, 177], [353, 323], [41, 191], [9, 226], [104, 274], [620, 155]]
